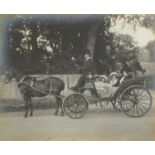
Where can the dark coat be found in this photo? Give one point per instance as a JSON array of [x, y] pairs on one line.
[[126, 69], [88, 67]]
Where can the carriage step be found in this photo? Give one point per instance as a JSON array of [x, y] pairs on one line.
[[106, 99]]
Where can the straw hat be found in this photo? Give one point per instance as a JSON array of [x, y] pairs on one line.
[[104, 76], [113, 73]]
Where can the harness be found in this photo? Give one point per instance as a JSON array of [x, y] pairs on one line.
[[32, 87], [22, 79]]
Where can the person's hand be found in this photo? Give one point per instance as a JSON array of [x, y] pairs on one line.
[[73, 59]]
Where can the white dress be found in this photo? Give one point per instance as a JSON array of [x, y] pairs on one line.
[[102, 88], [106, 89], [112, 88]]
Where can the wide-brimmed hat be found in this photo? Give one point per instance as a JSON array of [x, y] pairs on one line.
[[113, 73], [95, 76], [104, 76]]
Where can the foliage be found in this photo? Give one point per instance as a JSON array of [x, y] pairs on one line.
[[47, 44], [38, 45], [151, 48]]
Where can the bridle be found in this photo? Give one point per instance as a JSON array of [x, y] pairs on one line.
[[12, 80], [9, 81]]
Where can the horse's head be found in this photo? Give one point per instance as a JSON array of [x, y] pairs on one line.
[[8, 76]]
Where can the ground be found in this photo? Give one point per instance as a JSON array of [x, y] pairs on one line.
[[97, 124]]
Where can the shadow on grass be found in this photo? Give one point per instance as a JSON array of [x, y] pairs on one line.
[[12, 105]]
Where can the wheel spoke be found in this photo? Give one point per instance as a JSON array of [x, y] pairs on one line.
[[134, 92], [137, 101], [142, 105], [127, 105], [143, 96], [141, 109], [137, 109], [131, 111], [142, 91], [75, 106], [138, 90]]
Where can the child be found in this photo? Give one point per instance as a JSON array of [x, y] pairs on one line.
[[114, 77], [100, 81], [101, 85]]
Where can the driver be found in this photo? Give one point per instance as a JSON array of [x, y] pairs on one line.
[[85, 69]]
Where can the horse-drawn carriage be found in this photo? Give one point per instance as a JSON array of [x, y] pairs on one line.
[[131, 97]]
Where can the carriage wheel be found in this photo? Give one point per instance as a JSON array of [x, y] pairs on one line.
[[135, 101], [75, 106], [116, 105]]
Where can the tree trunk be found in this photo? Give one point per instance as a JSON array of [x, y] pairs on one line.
[[92, 34]]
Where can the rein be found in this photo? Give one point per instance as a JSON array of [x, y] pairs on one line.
[[12, 80], [42, 91], [22, 82]]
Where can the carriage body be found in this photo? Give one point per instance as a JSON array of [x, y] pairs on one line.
[[132, 97]]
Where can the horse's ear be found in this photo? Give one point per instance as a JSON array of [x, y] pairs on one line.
[[6, 72], [12, 72]]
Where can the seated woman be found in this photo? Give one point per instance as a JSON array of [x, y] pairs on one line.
[[101, 81], [102, 85], [114, 78]]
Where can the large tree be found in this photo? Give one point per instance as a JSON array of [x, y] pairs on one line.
[[100, 36], [69, 35]]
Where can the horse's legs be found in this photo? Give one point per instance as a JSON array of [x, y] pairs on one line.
[[60, 102], [26, 106], [57, 105], [31, 106]]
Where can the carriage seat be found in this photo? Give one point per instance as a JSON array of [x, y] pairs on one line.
[[88, 85]]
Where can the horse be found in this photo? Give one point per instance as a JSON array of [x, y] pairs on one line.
[[31, 87]]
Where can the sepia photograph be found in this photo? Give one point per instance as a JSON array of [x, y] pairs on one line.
[[77, 77]]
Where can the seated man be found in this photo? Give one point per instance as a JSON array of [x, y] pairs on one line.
[[132, 68], [124, 71], [85, 69], [136, 67]]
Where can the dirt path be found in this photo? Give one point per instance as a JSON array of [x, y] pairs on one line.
[[98, 124]]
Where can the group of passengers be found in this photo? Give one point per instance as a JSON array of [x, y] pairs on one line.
[[108, 85], [130, 69]]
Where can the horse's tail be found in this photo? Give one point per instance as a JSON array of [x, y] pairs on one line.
[[63, 87], [68, 87]]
